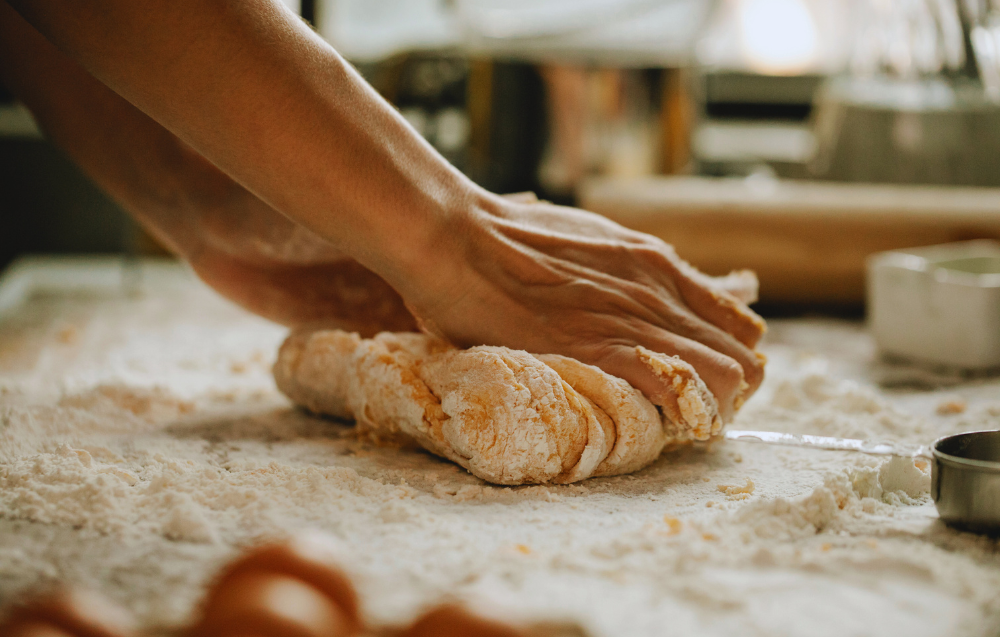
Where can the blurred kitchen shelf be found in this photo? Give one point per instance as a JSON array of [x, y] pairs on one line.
[[736, 141], [807, 241], [745, 121]]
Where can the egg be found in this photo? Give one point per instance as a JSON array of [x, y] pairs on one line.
[[70, 612], [455, 621], [267, 604], [32, 629], [309, 558]]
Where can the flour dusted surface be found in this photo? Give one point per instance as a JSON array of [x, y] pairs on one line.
[[142, 442]]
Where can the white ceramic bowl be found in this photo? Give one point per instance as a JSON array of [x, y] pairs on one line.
[[939, 304]]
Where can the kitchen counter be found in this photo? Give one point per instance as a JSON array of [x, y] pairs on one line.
[[143, 443]]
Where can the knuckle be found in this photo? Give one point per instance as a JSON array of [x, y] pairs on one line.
[[754, 371], [727, 376], [659, 256], [733, 372]]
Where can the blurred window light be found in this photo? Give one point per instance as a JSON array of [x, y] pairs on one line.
[[777, 37], [373, 30], [610, 32]]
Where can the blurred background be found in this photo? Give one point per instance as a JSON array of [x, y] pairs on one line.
[[793, 137]]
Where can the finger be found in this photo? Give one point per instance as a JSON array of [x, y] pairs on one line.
[[521, 197], [73, 612], [708, 301], [742, 284], [752, 363], [722, 375], [655, 275], [723, 310], [674, 317], [644, 310], [310, 558]]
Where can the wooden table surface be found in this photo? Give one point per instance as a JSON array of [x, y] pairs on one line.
[[807, 241]]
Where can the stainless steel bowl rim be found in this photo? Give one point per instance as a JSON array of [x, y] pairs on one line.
[[989, 466]]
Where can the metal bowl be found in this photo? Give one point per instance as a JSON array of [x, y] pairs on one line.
[[965, 481]]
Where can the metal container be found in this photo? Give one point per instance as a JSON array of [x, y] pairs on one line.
[[965, 481], [938, 305]]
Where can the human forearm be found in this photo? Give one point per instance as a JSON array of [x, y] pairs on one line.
[[254, 90], [131, 157], [177, 195], [235, 242]]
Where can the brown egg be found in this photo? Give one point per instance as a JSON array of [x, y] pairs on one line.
[[308, 557], [32, 629], [455, 621], [74, 612], [266, 604]]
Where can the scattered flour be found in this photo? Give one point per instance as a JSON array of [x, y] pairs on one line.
[[896, 481], [738, 492], [821, 404], [144, 447]]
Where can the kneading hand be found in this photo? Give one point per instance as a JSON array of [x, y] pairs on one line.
[[550, 279], [270, 105]]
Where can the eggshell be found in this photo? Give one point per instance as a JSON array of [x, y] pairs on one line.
[[268, 604], [310, 558], [455, 621], [32, 629], [77, 613]]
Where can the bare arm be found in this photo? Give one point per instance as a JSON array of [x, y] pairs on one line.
[[251, 88], [241, 246]]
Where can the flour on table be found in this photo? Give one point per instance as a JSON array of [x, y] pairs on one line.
[[138, 457]]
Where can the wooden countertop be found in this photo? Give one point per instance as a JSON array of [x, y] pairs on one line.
[[808, 241]]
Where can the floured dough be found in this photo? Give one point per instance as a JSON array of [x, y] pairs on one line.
[[507, 416]]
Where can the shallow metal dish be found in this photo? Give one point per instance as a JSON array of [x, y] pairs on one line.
[[965, 481]]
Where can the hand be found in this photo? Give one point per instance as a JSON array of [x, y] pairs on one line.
[[550, 279], [272, 266]]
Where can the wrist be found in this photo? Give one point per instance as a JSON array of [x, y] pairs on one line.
[[432, 263]]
